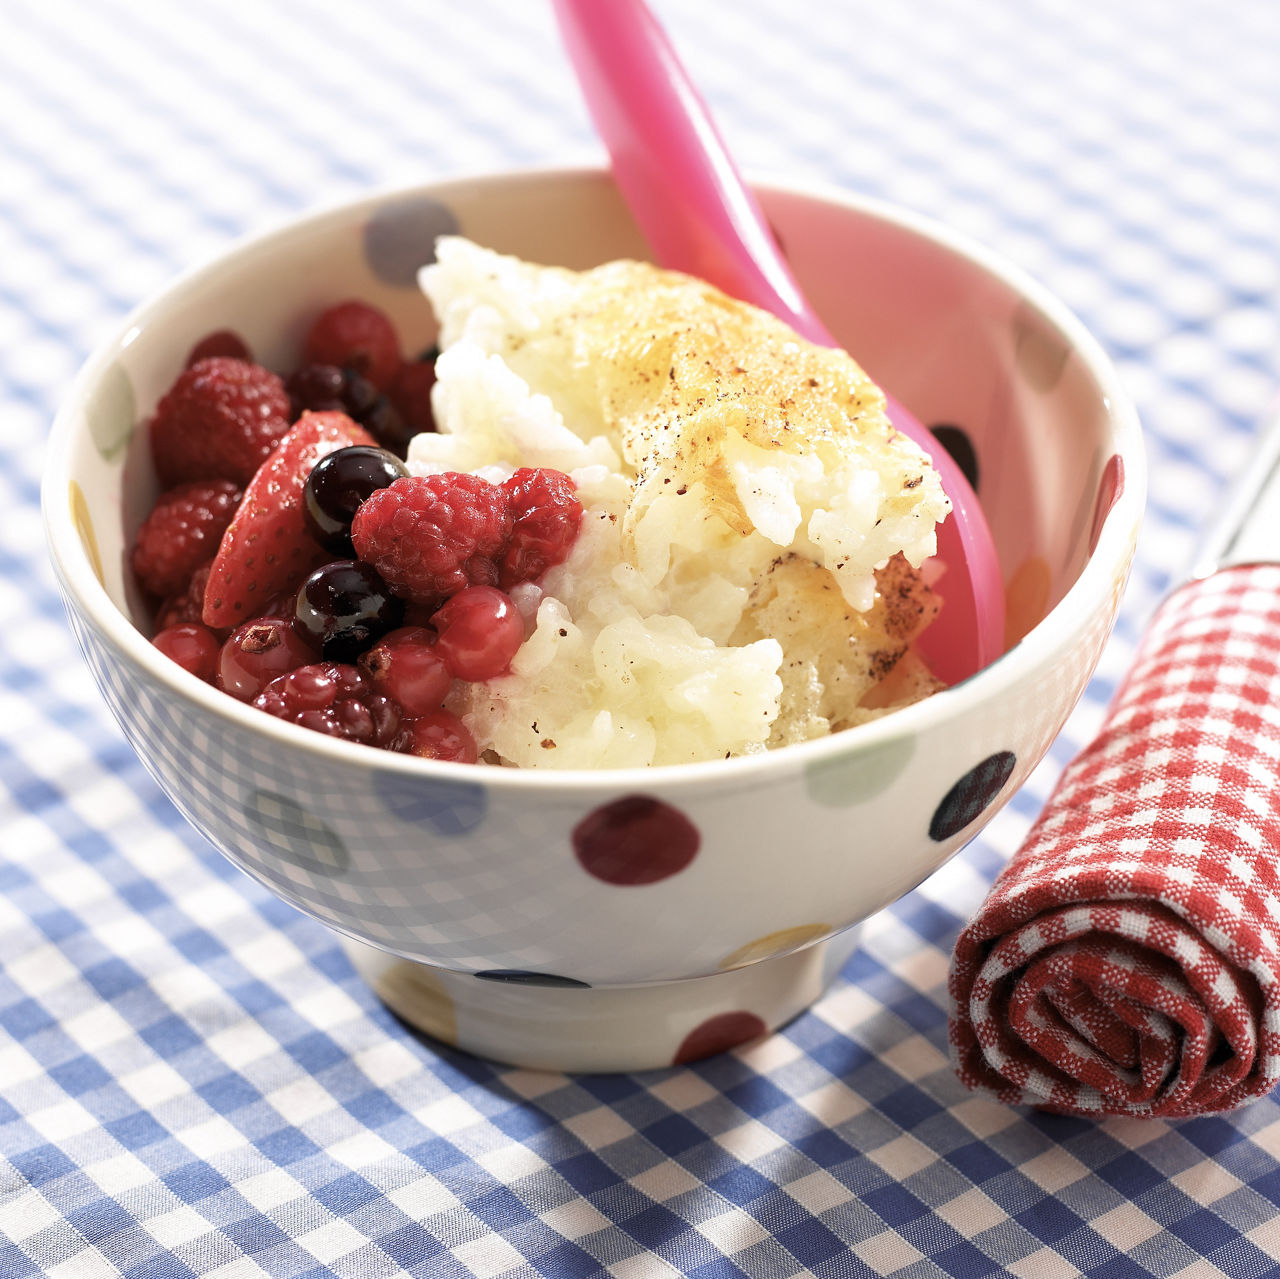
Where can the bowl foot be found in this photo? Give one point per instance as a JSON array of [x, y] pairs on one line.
[[512, 1018]]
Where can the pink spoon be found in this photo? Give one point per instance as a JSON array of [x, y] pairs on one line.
[[699, 217]]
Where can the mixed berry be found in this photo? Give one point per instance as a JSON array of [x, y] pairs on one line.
[[299, 567]]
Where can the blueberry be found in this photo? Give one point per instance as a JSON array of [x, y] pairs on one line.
[[338, 484], [344, 607]]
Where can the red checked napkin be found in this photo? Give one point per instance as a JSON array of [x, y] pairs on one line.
[[1127, 960]]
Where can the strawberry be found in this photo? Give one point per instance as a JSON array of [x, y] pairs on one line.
[[268, 548]]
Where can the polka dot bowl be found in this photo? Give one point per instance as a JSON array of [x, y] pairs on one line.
[[622, 920]]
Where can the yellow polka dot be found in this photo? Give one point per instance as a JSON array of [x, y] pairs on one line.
[[81, 518], [1120, 574], [783, 942], [413, 992], [1026, 599]]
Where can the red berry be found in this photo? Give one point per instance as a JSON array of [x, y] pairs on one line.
[[438, 735], [188, 604], [224, 342], [357, 336], [193, 646], [406, 667], [410, 392], [219, 420], [256, 653], [283, 605], [431, 535], [333, 698], [267, 549], [545, 514], [182, 533], [480, 630]]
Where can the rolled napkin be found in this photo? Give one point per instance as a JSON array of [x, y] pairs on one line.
[[1127, 960]]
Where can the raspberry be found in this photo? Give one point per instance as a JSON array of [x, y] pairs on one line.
[[429, 536], [223, 342], [545, 514], [182, 532], [333, 698], [356, 336], [219, 420]]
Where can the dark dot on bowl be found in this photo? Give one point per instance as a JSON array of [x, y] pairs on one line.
[[635, 840], [971, 795], [717, 1035], [400, 237], [518, 977], [448, 808], [1110, 486], [955, 439], [288, 830]]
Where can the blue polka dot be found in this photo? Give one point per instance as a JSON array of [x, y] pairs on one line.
[[518, 977], [295, 834], [448, 808], [400, 238], [966, 801]]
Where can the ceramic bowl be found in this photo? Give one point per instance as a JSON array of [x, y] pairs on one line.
[[622, 919]]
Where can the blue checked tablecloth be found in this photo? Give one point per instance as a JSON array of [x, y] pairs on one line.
[[192, 1080]]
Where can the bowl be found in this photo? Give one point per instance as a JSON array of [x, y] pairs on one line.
[[624, 919]]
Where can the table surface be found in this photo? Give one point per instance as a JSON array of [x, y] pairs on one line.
[[192, 1080]]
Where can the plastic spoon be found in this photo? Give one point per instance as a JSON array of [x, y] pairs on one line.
[[699, 217]]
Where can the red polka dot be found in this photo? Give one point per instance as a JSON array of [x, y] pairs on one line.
[[1110, 486], [718, 1034], [635, 840]]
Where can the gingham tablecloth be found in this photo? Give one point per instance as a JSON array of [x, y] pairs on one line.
[[192, 1080]]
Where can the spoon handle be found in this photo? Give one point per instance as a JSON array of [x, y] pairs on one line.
[[699, 217], [670, 163]]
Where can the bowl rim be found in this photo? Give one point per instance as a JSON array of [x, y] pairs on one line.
[[1113, 548]]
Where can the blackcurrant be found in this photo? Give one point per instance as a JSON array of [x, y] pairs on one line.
[[316, 387], [338, 484], [344, 607]]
